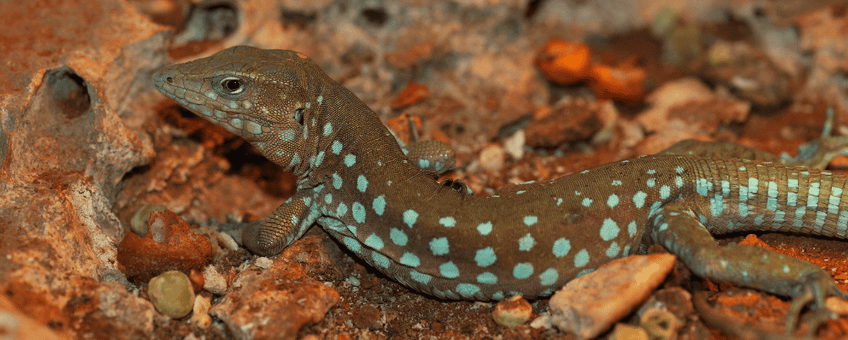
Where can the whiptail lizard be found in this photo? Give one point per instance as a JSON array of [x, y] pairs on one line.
[[530, 239]]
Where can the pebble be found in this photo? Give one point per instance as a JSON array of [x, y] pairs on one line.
[[837, 305], [263, 262], [201, 317], [353, 281], [512, 312], [213, 281], [227, 241], [138, 222], [628, 332], [675, 300], [591, 304], [368, 317], [171, 294], [514, 145], [541, 322], [197, 280], [492, 158], [170, 244], [660, 324]]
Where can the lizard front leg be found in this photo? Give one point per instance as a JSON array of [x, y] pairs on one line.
[[282, 227]]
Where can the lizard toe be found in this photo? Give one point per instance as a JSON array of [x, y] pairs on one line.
[[814, 292]]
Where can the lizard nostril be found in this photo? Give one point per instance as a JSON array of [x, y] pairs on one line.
[[169, 79]]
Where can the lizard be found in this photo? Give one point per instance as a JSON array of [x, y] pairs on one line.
[[436, 237]]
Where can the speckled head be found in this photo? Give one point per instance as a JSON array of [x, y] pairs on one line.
[[260, 95]]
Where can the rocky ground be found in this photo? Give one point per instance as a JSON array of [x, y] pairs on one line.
[[523, 90]]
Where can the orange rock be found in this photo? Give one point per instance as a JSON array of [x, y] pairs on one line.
[[413, 93], [402, 124], [623, 83], [170, 244], [564, 62]]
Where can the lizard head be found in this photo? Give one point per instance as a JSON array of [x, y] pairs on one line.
[[264, 96]]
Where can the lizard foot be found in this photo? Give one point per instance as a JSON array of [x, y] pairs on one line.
[[815, 288], [820, 151]]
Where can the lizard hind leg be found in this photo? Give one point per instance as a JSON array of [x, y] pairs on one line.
[[676, 228]]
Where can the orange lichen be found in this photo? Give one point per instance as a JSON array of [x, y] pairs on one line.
[[170, 244], [564, 62]]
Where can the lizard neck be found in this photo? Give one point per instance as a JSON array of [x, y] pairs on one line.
[[340, 132]]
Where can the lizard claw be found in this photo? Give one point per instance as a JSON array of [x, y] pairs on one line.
[[816, 287]]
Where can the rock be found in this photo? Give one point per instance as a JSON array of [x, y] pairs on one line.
[[16, 325], [628, 332], [138, 223], [541, 322], [690, 101], [564, 62], [283, 295], [748, 72], [263, 262], [200, 312], [171, 293], [687, 109], [625, 83], [412, 94], [590, 304], [492, 158], [512, 312], [368, 317], [675, 300], [514, 145], [170, 244], [660, 324], [75, 94], [569, 120], [227, 241], [213, 281], [837, 305]]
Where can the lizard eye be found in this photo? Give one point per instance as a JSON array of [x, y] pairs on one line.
[[232, 85], [298, 115]]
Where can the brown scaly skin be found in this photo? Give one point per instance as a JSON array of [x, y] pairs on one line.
[[529, 239]]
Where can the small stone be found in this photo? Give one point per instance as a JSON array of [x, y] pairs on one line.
[[412, 94], [514, 144], [138, 222], [512, 312], [660, 324], [16, 325], [368, 317], [567, 121], [591, 304], [564, 62], [492, 158], [628, 332], [213, 281], [353, 281], [263, 262], [837, 305], [201, 317], [542, 322], [675, 300], [170, 244], [227, 241], [197, 280], [171, 294]]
